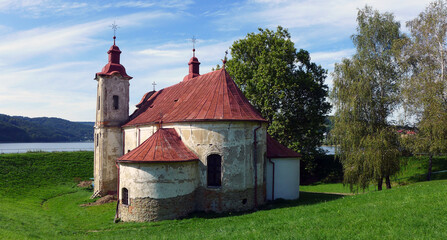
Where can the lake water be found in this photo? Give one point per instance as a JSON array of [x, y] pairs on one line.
[[71, 146], [46, 147], [330, 150]]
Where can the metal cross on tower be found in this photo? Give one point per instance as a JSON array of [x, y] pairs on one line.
[[114, 27], [153, 84], [193, 40], [225, 59]]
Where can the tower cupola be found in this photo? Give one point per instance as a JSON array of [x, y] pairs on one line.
[[193, 66], [114, 66], [114, 53]]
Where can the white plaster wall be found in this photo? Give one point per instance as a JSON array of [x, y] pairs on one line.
[[130, 139], [158, 180], [233, 140], [134, 137], [146, 132], [287, 178]]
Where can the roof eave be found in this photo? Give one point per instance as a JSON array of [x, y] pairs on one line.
[[157, 161], [195, 120]]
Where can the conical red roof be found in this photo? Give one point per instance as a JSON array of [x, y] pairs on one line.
[[164, 145], [209, 97], [277, 150]]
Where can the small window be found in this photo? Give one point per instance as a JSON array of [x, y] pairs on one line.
[[115, 102], [97, 139], [125, 196], [99, 102], [214, 164]]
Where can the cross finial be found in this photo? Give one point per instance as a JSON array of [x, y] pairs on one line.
[[193, 40], [114, 27], [153, 84], [225, 59]]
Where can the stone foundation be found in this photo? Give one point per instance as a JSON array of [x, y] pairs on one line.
[[149, 209], [203, 199], [216, 200]]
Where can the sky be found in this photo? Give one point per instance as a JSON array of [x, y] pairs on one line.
[[51, 49]]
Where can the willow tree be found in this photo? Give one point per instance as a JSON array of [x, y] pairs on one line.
[[425, 89], [365, 94]]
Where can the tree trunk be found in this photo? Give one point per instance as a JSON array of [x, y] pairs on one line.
[[379, 184], [388, 182], [429, 167]]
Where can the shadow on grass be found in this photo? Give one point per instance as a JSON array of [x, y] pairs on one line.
[[306, 198]]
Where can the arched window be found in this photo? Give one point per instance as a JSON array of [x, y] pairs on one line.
[[214, 164], [115, 102], [125, 196]]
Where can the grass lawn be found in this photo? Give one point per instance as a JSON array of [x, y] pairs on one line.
[[413, 169], [332, 188], [40, 200]]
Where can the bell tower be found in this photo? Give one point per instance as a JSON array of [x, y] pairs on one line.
[[112, 110]]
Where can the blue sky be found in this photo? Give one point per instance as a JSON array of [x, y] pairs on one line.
[[51, 49]]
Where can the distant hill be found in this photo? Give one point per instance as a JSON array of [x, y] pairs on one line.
[[43, 129]]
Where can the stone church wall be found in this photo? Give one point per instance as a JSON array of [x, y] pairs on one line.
[[233, 140]]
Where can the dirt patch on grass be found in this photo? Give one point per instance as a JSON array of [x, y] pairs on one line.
[[103, 200], [84, 184]]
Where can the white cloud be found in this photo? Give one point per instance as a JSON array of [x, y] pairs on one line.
[[64, 90], [38, 103], [39, 8], [340, 13], [175, 54], [47, 8], [327, 59], [43, 42]]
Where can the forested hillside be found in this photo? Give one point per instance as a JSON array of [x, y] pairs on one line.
[[43, 129]]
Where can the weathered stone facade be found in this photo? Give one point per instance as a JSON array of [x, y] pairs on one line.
[[150, 209], [153, 186], [216, 200], [112, 111], [233, 140]]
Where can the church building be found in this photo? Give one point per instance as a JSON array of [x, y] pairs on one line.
[[198, 145]]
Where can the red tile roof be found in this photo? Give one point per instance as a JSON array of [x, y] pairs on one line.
[[165, 145], [277, 150], [212, 96], [114, 66]]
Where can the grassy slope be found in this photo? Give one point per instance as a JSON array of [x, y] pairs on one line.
[[47, 207]]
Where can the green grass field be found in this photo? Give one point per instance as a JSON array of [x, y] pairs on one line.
[[40, 200], [413, 169]]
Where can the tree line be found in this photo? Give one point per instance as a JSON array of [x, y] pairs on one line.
[[390, 72], [15, 129]]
